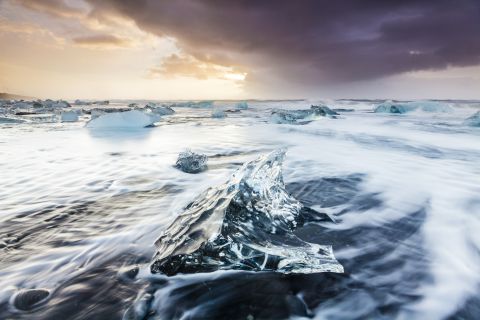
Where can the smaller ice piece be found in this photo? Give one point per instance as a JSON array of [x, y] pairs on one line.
[[128, 119], [68, 116], [473, 120], [218, 113], [11, 120], [191, 162], [301, 116], [405, 107], [159, 109], [242, 105]]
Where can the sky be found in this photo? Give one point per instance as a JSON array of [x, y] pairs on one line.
[[240, 49]]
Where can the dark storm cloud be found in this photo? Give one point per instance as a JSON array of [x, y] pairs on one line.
[[314, 40], [317, 40]]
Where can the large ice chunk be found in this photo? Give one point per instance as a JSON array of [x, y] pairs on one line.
[[473, 121], [405, 107], [127, 119], [191, 162], [301, 116], [246, 224]]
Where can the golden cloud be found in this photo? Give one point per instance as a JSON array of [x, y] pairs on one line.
[[187, 66]]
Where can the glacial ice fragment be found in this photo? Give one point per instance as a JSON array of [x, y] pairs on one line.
[[473, 120], [11, 120], [301, 116], [68, 116], [245, 224], [405, 107], [218, 113], [159, 109], [127, 119], [191, 162], [242, 105]]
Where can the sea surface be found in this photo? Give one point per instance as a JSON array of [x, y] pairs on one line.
[[79, 208]]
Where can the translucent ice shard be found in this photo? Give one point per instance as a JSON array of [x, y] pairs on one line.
[[218, 113], [68, 116], [245, 224], [242, 105], [159, 109], [191, 162], [301, 116], [405, 107], [473, 121]]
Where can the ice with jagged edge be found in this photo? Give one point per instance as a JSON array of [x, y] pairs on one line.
[[473, 120], [159, 109], [191, 162], [246, 223], [405, 107], [283, 116]]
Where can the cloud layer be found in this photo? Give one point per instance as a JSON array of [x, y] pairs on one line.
[[282, 44], [316, 40]]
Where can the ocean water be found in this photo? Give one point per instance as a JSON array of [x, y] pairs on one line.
[[80, 207]]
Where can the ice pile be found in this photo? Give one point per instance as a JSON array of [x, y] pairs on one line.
[[191, 162], [405, 107], [21, 111], [473, 121], [301, 116], [127, 119], [247, 223]]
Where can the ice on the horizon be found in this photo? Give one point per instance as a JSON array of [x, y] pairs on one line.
[[242, 105], [473, 120], [284, 116], [159, 109], [127, 119], [218, 113], [194, 104], [245, 224], [405, 107], [191, 162]]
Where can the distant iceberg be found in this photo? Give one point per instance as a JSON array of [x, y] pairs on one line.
[[247, 223], [194, 104], [159, 109], [405, 107], [473, 121], [242, 105], [191, 162], [128, 119], [283, 116]]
